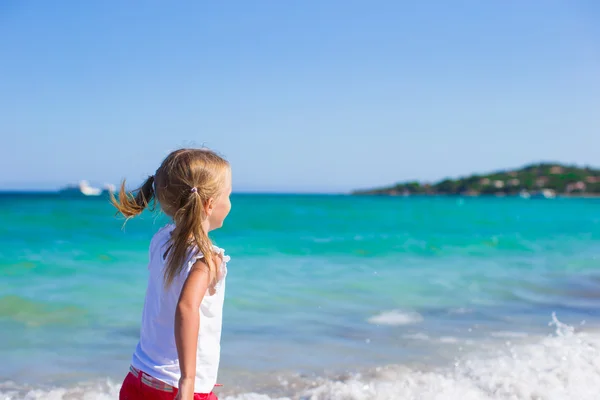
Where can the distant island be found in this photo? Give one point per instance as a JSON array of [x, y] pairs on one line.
[[541, 180]]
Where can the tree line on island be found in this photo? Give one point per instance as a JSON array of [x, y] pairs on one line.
[[543, 179]]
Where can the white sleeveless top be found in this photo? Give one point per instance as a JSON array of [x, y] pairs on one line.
[[156, 352]]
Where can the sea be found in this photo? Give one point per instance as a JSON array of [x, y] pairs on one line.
[[328, 297]]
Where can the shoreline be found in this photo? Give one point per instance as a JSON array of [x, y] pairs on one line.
[[539, 364]]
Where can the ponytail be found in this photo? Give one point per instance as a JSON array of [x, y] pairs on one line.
[[130, 205], [189, 235]]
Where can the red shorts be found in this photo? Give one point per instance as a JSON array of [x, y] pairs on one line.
[[136, 388]]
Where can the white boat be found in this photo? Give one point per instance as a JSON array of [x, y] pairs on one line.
[[82, 188], [546, 194]]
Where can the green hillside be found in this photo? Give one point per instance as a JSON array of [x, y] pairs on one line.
[[546, 179]]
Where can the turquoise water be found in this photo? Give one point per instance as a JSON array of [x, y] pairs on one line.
[[317, 285]]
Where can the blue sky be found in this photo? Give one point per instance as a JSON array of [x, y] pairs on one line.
[[306, 96]]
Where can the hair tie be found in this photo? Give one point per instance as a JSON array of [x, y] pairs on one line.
[[194, 190]]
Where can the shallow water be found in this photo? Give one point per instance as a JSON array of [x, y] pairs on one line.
[[319, 287]]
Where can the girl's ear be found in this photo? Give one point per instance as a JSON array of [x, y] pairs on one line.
[[209, 206]]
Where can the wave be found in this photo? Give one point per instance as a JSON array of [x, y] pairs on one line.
[[396, 318], [565, 365], [101, 390]]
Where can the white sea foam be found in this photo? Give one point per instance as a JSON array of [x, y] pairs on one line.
[[563, 366], [460, 310], [448, 339], [509, 334], [104, 390], [396, 318], [254, 396], [416, 336]]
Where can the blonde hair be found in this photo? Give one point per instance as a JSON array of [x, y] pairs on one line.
[[183, 184]]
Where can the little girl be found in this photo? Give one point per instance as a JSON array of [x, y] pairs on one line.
[[177, 356]]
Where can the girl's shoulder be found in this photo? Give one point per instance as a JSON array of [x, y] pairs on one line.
[[160, 238], [216, 250], [221, 252], [162, 233], [167, 228]]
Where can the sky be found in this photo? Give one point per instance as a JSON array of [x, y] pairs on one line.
[[299, 95]]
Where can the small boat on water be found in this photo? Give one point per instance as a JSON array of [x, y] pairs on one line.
[[83, 188], [545, 194]]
